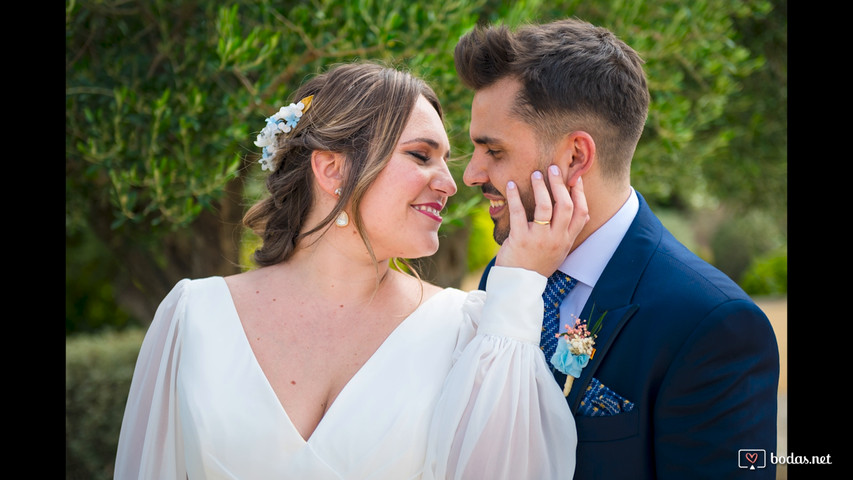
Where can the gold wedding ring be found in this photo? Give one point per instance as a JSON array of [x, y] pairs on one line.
[[541, 222]]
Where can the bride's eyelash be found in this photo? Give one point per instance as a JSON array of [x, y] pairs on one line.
[[419, 156]]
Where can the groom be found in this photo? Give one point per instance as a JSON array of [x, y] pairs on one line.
[[686, 367]]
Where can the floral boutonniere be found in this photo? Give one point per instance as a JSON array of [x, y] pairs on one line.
[[574, 353]]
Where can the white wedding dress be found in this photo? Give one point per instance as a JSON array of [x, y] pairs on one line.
[[460, 389]]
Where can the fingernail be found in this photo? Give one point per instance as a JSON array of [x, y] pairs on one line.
[[537, 174], [510, 185], [555, 170]]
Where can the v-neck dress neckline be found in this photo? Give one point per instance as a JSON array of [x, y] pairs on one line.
[[460, 381], [228, 404], [378, 355]]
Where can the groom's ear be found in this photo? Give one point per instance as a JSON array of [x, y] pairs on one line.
[[328, 169], [575, 155]]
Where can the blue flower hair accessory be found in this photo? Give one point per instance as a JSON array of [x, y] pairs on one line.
[[282, 121]]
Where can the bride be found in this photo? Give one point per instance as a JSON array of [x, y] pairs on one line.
[[326, 362]]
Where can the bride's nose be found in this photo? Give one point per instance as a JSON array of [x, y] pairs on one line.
[[443, 181]]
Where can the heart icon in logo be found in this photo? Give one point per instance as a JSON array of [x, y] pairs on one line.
[[752, 457]]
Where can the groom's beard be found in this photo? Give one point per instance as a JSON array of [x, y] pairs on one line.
[[501, 231]]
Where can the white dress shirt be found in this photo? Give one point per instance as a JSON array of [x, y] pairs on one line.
[[588, 260]]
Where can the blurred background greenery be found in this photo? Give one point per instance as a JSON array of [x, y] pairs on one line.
[[164, 98]]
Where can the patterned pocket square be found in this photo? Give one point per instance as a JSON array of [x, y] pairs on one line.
[[600, 401]]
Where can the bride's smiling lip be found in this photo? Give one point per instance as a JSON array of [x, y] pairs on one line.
[[431, 210]]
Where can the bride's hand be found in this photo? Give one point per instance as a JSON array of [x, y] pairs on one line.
[[543, 244]]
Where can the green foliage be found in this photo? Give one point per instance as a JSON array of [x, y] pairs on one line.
[[89, 301], [98, 371], [161, 96], [481, 242], [163, 99], [767, 275], [756, 175], [140, 110], [743, 238]]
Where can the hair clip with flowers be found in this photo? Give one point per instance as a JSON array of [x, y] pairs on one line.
[[282, 121]]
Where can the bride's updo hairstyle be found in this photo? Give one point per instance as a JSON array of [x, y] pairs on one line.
[[358, 110]]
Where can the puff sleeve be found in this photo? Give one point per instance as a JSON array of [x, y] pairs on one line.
[[501, 415], [150, 444]]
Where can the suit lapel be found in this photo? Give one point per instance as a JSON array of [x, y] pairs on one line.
[[614, 292]]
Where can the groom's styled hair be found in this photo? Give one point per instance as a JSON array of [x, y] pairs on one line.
[[574, 76]]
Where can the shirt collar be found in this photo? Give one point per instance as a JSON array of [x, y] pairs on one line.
[[588, 260]]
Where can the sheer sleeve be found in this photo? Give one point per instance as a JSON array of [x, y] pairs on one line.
[[150, 443], [501, 415]]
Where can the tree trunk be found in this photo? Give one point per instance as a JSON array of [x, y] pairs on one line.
[[209, 247]]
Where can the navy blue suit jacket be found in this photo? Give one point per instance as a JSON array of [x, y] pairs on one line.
[[694, 354]]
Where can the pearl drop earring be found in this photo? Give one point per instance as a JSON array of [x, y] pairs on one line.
[[343, 218]]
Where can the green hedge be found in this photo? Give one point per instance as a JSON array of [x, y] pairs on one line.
[[768, 274], [742, 239], [98, 370]]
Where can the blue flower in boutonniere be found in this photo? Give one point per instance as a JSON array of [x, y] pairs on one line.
[[573, 354]]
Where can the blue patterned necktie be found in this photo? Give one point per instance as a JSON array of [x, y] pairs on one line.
[[559, 285]]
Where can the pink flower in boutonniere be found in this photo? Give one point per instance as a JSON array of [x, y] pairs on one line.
[[574, 353]]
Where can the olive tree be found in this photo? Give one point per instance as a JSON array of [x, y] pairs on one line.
[[164, 98]]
